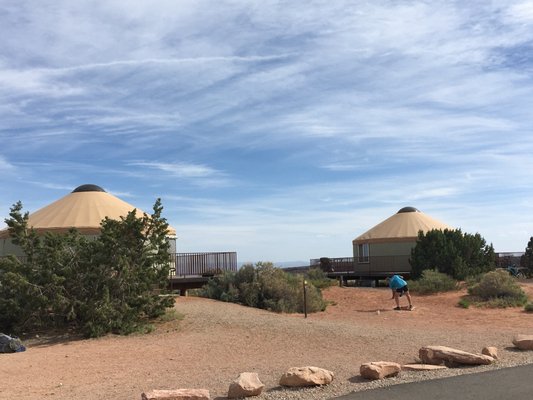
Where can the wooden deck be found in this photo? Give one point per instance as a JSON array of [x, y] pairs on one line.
[[193, 270]]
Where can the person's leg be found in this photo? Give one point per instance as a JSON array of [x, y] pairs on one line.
[[408, 299], [397, 299]]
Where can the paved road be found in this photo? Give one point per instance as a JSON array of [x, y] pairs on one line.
[[508, 383]]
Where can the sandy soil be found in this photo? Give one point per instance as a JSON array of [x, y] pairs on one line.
[[216, 341]]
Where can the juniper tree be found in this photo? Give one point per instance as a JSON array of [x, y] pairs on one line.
[[96, 286], [452, 252]]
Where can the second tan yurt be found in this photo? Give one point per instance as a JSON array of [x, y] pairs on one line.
[[386, 248]]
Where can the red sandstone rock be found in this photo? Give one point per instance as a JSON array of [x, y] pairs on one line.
[[440, 354], [379, 369], [246, 385], [306, 376]]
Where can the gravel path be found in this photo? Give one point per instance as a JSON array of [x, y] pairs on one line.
[[216, 341]]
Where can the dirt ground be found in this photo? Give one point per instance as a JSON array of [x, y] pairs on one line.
[[215, 341]]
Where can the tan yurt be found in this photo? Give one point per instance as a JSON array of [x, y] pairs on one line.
[[83, 209], [386, 248]]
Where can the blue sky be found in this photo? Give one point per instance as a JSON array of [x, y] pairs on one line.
[[278, 129]]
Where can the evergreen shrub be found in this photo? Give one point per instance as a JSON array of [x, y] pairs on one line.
[[457, 254]]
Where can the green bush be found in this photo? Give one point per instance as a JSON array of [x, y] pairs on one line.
[[528, 307], [498, 289], [318, 278], [433, 282], [265, 286], [464, 303]]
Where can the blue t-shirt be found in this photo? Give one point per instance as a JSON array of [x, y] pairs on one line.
[[396, 282]]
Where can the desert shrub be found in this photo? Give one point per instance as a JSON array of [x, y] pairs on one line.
[[498, 289], [264, 286], [314, 300], [433, 282], [220, 287], [318, 278], [279, 291], [528, 307], [248, 286], [473, 280]]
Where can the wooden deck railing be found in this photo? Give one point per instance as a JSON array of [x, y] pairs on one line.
[[202, 264], [334, 264]]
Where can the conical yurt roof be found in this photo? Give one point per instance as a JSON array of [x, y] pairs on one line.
[[402, 226], [84, 209]]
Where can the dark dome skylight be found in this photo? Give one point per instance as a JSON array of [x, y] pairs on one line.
[[408, 209], [88, 188]]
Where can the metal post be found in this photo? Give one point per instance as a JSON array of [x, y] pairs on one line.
[[305, 298]]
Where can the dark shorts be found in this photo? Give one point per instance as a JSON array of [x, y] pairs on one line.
[[403, 289]]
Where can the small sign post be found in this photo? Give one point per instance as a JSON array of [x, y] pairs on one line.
[[305, 298]]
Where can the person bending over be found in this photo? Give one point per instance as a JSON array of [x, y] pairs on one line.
[[399, 288]]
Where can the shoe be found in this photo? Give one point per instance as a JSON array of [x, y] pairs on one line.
[[397, 308], [411, 307]]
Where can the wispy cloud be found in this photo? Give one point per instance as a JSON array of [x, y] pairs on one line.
[[51, 185], [181, 170], [5, 165], [521, 11], [194, 174]]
